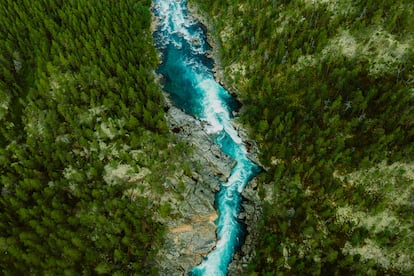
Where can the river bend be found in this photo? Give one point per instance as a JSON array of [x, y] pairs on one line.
[[188, 78]]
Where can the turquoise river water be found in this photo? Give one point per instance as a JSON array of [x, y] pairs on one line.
[[188, 78]]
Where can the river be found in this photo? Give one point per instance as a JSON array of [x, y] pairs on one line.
[[188, 78]]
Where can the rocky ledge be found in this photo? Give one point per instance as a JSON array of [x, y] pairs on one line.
[[191, 231], [251, 214]]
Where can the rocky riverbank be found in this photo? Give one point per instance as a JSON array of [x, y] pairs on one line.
[[215, 46], [191, 232], [222, 80], [251, 214]]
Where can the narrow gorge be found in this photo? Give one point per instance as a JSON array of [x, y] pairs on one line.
[[188, 79]]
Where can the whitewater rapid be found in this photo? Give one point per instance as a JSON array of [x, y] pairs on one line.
[[188, 78]]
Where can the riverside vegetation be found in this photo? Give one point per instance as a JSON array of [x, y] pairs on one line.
[[327, 88]]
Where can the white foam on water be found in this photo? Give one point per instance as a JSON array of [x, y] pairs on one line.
[[214, 111], [217, 261], [174, 20], [174, 26]]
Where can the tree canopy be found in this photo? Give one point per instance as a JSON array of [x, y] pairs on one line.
[[80, 119], [327, 88]]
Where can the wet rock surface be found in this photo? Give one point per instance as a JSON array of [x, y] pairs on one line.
[[192, 131], [251, 214], [191, 231]]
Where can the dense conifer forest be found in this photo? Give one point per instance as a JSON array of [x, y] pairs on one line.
[[328, 93], [327, 90], [81, 127]]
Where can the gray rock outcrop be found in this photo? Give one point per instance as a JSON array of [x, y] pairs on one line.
[[191, 230]]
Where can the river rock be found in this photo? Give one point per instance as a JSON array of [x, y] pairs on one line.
[[191, 229], [186, 244], [193, 132], [251, 215]]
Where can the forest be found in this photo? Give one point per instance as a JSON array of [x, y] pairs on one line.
[[81, 119], [328, 90]]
